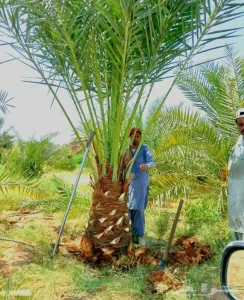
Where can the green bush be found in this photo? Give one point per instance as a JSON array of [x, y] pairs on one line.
[[201, 213], [64, 160], [65, 164], [162, 223], [29, 157], [158, 223], [77, 158]]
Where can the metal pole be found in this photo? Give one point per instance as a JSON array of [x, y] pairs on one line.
[[88, 144], [172, 232]]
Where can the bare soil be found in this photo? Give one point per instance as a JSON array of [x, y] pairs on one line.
[[70, 177], [16, 252]]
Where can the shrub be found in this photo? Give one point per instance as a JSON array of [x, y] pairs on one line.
[[77, 159], [29, 158], [65, 160], [162, 223], [200, 213]]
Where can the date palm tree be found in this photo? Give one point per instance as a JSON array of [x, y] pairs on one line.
[[218, 91], [108, 55], [9, 179], [191, 156], [6, 139]]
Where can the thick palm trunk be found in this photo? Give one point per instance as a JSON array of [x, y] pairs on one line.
[[108, 230]]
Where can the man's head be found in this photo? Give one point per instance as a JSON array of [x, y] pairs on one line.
[[240, 120], [136, 133]]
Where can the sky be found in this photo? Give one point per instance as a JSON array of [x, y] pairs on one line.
[[33, 114]]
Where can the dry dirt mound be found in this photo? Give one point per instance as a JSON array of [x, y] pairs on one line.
[[163, 280], [188, 251]]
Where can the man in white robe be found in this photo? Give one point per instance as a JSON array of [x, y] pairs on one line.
[[236, 182]]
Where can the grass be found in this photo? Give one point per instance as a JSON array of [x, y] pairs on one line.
[[65, 276]]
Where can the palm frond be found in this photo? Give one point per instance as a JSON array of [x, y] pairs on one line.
[[4, 102], [190, 154], [235, 64], [214, 89], [12, 182], [178, 185], [61, 187]]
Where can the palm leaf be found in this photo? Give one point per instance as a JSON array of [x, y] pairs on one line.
[[190, 155], [11, 182], [217, 91], [236, 65], [175, 186], [4, 102], [61, 187]]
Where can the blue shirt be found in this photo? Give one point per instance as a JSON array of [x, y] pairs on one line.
[[138, 189]]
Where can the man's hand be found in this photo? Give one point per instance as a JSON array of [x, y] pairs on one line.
[[143, 167]]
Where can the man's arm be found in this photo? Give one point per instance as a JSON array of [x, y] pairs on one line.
[[149, 160]]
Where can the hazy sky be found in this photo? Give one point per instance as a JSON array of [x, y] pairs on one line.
[[32, 114]]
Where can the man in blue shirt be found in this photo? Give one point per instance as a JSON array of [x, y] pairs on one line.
[[138, 188]]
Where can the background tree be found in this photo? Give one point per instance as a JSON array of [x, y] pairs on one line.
[[66, 157], [29, 158], [217, 90], [190, 156], [10, 179], [6, 139], [108, 55], [192, 149]]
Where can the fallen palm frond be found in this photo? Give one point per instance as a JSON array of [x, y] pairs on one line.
[[62, 188], [12, 182]]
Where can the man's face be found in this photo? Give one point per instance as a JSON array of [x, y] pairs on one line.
[[137, 138], [240, 125]]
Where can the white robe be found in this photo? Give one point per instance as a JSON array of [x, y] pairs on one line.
[[236, 187]]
